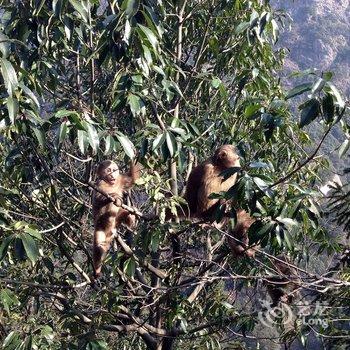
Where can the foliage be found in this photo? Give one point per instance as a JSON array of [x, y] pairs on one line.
[[166, 82]]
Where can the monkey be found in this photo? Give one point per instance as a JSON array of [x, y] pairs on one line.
[[205, 179], [283, 289], [239, 231], [108, 216]]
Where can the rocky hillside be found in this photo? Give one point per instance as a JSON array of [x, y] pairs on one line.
[[319, 37]]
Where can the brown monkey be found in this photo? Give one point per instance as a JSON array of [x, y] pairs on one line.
[[205, 179], [282, 288], [240, 232], [108, 216]]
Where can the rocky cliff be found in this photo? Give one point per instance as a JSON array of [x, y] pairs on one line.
[[319, 37]]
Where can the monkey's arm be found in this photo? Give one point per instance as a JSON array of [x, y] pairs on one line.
[[130, 178], [100, 199]]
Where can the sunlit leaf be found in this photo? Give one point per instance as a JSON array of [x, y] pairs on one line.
[[12, 341], [131, 7], [215, 83], [318, 86], [62, 132], [30, 247], [344, 148], [335, 92], [298, 90], [127, 145], [130, 267], [4, 45], [93, 138], [7, 299], [81, 9], [9, 76], [12, 107], [40, 136], [83, 141], [158, 141], [150, 36], [109, 144]]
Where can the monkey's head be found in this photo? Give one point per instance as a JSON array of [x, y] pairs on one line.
[[226, 156], [108, 171]]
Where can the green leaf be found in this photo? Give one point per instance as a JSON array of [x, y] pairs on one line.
[[40, 136], [258, 165], [81, 9], [310, 112], [4, 246], [64, 113], [263, 231], [150, 36], [171, 143], [92, 137], [131, 7], [279, 234], [30, 247], [327, 76], [251, 110], [263, 186], [242, 27], [298, 90], [8, 298], [158, 141], [5, 46], [318, 86], [82, 141], [147, 55], [62, 132], [215, 83], [109, 144], [33, 232], [130, 267], [57, 7], [335, 92], [135, 104], [38, 7], [12, 341], [30, 94], [344, 148], [96, 345], [9, 76], [12, 107], [193, 129], [275, 31], [127, 145], [287, 221], [328, 108], [155, 241]]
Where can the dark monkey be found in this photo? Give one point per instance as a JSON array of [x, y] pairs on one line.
[[108, 216], [240, 231], [283, 289], [205, 179]]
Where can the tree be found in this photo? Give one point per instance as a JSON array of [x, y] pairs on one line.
[[83, 81]]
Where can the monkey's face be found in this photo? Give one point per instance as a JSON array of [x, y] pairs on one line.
[[226, 156], [110, 173]]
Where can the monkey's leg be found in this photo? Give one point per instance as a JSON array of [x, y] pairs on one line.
[[99, 251], [102, 242]]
